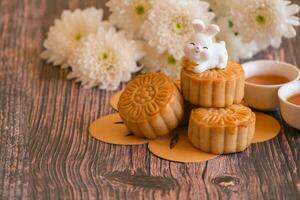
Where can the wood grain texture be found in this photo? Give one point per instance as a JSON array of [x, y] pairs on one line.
[[47, 153]]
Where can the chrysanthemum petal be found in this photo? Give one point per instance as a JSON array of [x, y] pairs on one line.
[[169, 24], [67, 33], [105, 59]]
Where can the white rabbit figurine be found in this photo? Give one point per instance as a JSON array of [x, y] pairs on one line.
[[202, 50]]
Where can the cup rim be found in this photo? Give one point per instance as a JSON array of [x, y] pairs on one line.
[[285, 100], [275, 85]]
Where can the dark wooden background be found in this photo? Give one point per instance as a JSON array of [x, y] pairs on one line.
[[46, 151]]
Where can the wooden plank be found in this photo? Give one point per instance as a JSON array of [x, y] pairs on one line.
[[47, 153]]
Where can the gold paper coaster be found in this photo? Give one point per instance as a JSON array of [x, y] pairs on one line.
[[110, 129], [115, 99], [180, 150], [266, 128]]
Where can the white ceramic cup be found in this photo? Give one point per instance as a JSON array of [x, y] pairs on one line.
[[264, 97], [290, 112]]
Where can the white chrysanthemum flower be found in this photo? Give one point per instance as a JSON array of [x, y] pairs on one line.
[[67, 33], [264, 21], [129, 15], [105, 59], [237, 49], [169, 24], [166, 63]]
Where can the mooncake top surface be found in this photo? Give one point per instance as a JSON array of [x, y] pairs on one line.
[[231, 71], [145, 96], [234, 115]]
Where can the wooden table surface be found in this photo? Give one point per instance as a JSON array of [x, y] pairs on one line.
[[46, 151]]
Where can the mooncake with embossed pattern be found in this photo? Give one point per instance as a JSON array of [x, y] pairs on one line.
[[151, 105], [214, 87], [222, 130]]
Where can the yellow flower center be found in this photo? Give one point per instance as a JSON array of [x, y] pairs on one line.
[[179, 25], [103, 56], [107, 59], [171, 60], [260, 19], [263, 17], [78, 37], [140, 10]]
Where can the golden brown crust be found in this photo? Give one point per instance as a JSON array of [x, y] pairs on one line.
[[231, 71], [223, 130], [213, 88], [145, 96], [151, 105], [234, 115]]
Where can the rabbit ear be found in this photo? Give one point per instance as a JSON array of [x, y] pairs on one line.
[[198, 25], [212, 30]]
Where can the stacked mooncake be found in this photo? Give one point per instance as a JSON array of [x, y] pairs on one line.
[[218, 123]]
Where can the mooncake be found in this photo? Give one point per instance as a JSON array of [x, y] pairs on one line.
[[151, 105], [214, 87], [222, 130]]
